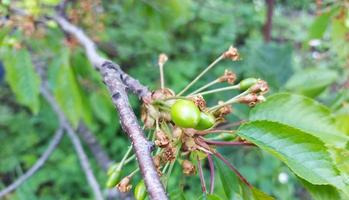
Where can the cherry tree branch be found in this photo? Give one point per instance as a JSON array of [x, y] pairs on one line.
[[56, 139], [84, 162], [117, 82]]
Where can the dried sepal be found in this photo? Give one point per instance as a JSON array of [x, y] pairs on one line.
[[124, 185], [169, 154], [199, 102], [251, 99], [228, 77], [161, 139], [161, 94], [260, 87], [232, 53], [188, 168], [177, 132], [149, 114], [223, 111]]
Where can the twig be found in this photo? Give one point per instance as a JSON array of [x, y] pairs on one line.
[[76, 143], [212, 172], [202, 178], [117, 82], [39, 163], [268, 23], [101, 156]]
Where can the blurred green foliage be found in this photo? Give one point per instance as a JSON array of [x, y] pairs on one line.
[[308, 55]]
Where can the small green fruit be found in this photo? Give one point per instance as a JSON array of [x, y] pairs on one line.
[[114, 179], [247, 83], [185, 114], [206, 121], [140, 192]]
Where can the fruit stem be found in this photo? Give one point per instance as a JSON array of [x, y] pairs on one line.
[[162, 79], [202, 178], [133, 173], [204, 87], [226, 143], [215, 131], [122, 163], [230, 101], [171, 167], [212, 172], [201, 74], [242, 178], [218, 90], [175, 97]]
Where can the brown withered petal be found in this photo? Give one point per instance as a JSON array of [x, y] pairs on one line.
[[188, 168], [199, 102], [161, 139], [160, 94], [232, 54], [188, 144], [177, 132], [124, 185], [157, 161], [148, 115], [260, 87], [168, 154], [248, 99], [228, 77], [225, 110], [189, 132]]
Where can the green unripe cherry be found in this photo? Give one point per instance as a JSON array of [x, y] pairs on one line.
[[185, 114], [247, 83], [140, 192], [114, 179], [206, 121]]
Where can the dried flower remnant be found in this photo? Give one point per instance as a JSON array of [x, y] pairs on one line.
[[199, 102], [260, 87], [223, 111], [232, 54], [228, 77], [161, 139], [188, 168], [124, 185]]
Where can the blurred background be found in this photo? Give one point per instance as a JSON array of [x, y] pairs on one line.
[[299, 46]]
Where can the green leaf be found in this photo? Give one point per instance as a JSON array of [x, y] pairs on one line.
[[259, 195], [304, 154], [321, 192], [229, 180], [101, 106], [319, 26], [302, 113], [311, 82], [65, 88], [213, 197], [22, 78], [340, 158]]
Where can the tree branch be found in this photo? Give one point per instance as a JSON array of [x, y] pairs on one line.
[[76, 143], [117, 82], [56, 139], [101, 156], [268, 23]]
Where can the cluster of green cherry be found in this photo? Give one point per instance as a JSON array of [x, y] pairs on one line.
[[181, 126]]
